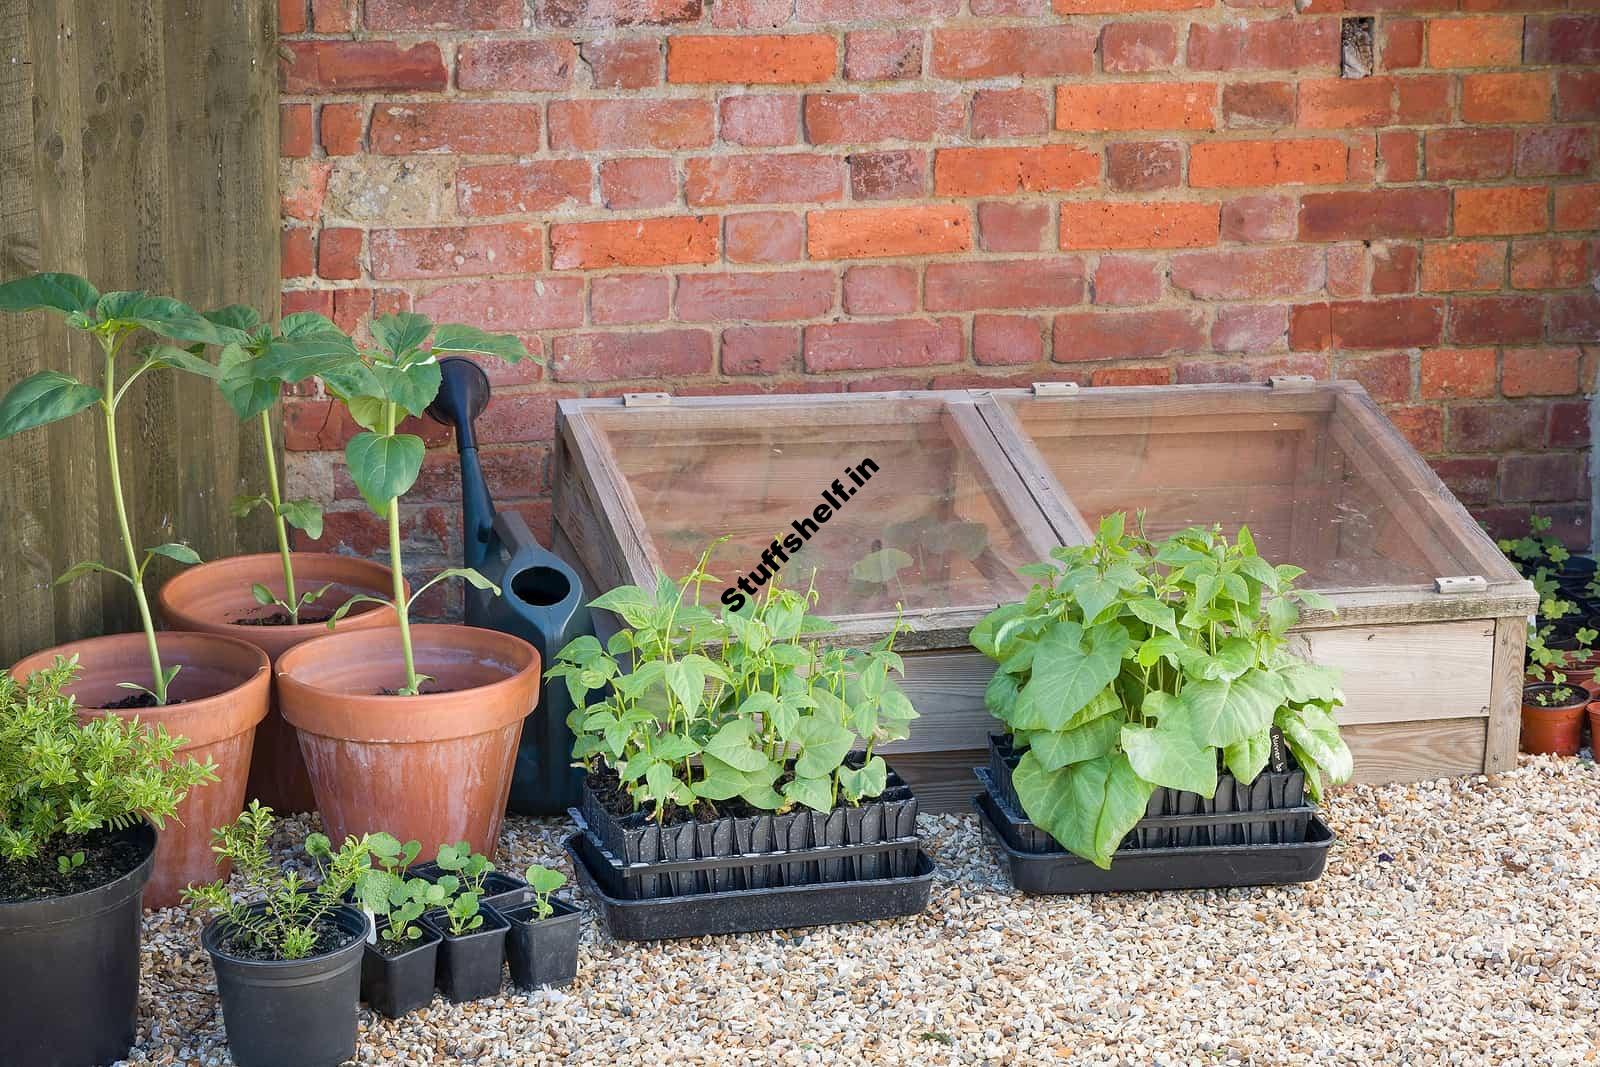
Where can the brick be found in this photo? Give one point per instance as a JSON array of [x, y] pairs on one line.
[[1569, 424], [761, 179], [1386, 377], [1152, 224], [1347, 269], [635, 243], [1487, 320], [1506, 97], [1386, 323], [900, 231], [1012, 227], [501, 129], [763, 237], [1235, 164], [1467, 154], [447, 251], [885, 10], [1144, 166], [1240, 274], [609, 357], [882, 55], [298, 300], [624, 299], [1019, 283], [1399, 156], [642, 182], [894, 175], [751, 14], [294, 130], [1084, 335], [1265, 44], [758, 297], [760, 349], [1258, 105], [1259, 218], [296, 259], [1013, 51], [1136, 106], [1495, 427], [1138, 47], [362, 66], [343, 126], [609, 14], [1118, 7], [1394, 269], [1549, 264], [588, 125], [623, 62], [763, 121], [1346, 103], [1552, 476], [1422, 100], [1124, 376], [1310, 327], [339, 253], [1471, 481], [1554, 151], [1575, 317], [1463, 265], [334, 16], [1374, 215], [880, 290], [1573, 39], [1577, 207], [1421, 425], [1479, 41], [1000, 113], [1577, 95], [1249, 327], [305, 186], [1501, 209], [867, 118], [530, 64], [292, 16], [795, 59], [1126, 281], [890, 343], [1402, 43], [516, 305], [1006, 340], [444, 14], [1004, 171], [1539, 372], [513, 188]]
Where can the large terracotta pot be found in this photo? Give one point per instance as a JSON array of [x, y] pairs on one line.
[[434, 768], [1556, 728], [217, 699], [212, 597]]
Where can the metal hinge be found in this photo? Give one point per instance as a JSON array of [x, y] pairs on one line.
[[1291, 381], [1055, 388], [1461, 583], [646, 400]]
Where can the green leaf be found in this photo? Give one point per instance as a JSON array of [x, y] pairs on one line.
[[1172, 759], [1088, 807], [878, 568], [734, 745], [1095, 738], [983, 634], [1067, 675], [263, 595], [814, 793], [400, 333], [297, 360], [824, 744], [1304, 682], [161, 315], [632, 603], [1000, 695], [78, 570], [245, 391], [869, 780], [66, 293], [413, 387], [303, 515], [244, 505], [1248, 757], [177, 552], [384, 466], [1313, 735], [455, 337], [178, 359], [1224, 712], [238, 317], [1127, 797], [1154, 613], [41, 399]]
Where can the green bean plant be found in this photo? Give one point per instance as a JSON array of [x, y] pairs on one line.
[[117, 322], [743, 705], [379, 386], [1133, 664], [543, 881]]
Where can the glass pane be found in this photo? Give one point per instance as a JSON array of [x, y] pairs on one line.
[[926, 527], [1301, 469]]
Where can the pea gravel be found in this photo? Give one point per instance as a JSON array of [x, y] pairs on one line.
[[1456, 923]]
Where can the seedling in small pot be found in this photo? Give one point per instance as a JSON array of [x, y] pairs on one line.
[[471, 867], [544, 881]]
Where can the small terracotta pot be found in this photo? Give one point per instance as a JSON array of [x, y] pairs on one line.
[[434, 768], [1557, 729], [219, 696], [211, 598]]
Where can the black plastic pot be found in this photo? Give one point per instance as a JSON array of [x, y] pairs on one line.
[[393, 985], [543, 952], [470, 966], [499, 888], [71, 967], [301, 1012]]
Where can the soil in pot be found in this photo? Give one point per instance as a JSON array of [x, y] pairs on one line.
[[71, 960], [470, 965], [543, 952], [1552, 718], [215, 598], [217, 700], [433, 768], [302, 1012], [398, 977]]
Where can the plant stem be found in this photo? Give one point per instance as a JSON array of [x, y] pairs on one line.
[[135, 574], [276, 496], [402, 606]]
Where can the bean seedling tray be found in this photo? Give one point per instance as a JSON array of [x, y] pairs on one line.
[[749, 910]]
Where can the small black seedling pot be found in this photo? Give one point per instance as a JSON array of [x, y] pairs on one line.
[[395, 984], [470, 966], [543, 951], [301, 1012], [499, 888]]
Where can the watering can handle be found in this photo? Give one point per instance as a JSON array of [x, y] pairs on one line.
[[463, 394]]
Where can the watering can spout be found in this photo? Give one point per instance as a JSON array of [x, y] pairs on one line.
[[463, 394]]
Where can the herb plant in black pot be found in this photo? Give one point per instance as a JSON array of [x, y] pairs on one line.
[[472, 954], [288, 955], [397, 970], [77, 802], [542, 947]]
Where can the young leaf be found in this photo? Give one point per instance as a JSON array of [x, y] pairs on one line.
[[823, 743], [66, 293], [161, 315], [43, 398], [1226, 712], [400, 333], [177, 358], [814, 793], [1248, 757], [384, 466], [734, 745], [1066, 675], [263, 595], [179, 553], [1171, 758], [241, 385], [1095, 738], [297, 360], [454, 337], [78, 570], [303, 515]]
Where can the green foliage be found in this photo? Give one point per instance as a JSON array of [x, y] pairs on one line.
[[543, 881], [1132, 665], [60, 778], [742, 705], [290, 924], [385, 891]]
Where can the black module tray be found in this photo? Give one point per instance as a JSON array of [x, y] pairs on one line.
[[1151, 869], [499, 887], [749, 910]]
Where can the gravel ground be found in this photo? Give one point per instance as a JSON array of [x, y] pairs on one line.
[[1456, 923]]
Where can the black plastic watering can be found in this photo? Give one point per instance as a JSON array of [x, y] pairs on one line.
[[542, 600]]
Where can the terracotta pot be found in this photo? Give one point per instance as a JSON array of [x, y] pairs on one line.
[[218, 698], [435, 768], [212, 597], [1557, 729]]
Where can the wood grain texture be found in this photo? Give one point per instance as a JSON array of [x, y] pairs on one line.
[[138, 147], [1415, 751], [1505, 694], [1440, 670]]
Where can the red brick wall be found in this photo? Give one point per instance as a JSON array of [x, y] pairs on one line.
[[750, 195]]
